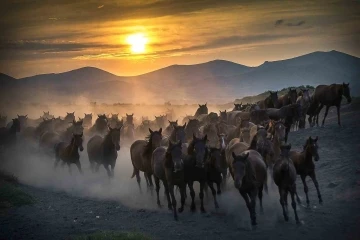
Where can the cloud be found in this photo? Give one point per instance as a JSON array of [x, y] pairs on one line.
[[279, 22]]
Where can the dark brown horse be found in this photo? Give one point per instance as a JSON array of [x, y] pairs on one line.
[[177, 134], [248, 171], [223, 116], [100, 126], [168, 130], [305, 166], [284, 176], [141, 152], [103, 151], [3, 121], [203, 109], [331, 95], [8, 136], [195, 168], [69, 153], [269, 102], [289, 98], [168, 166]]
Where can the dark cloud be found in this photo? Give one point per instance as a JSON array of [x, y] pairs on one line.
[[279, 22], [289, 24]]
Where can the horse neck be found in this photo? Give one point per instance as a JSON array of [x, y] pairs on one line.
[[307, 155], [73, 147], [173, 136]]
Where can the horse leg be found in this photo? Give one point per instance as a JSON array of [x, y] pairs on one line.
[[167, 194], [151, 185], [112, 168], [260, 195], [338, 113], [182, 196], [146, 179], [106, 166], [305, 189], [79, 167], [326, 113], [192, 194], [138, 179], [211, 186], [218, 186], [173, 200], [282, 202], [248, 204], [69, 168], [313, 177], [157, 188], [201, 195], [317, 112], [293, 203]]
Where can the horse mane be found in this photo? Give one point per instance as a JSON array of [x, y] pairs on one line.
[[148, 147]]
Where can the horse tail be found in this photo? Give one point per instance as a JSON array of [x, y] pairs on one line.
[[134, 169]]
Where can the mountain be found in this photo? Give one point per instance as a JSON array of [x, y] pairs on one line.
[[214, 81]]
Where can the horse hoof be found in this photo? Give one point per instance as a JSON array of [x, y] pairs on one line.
[[192, 208], [170, 208], [180, 210], [176, 218], [218, 192], [320, 202], [203, 210], [254, 223]]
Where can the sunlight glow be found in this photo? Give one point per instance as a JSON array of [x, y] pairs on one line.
[[137, 42]]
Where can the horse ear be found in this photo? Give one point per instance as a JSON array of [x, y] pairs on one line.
[[184, 125], [233, 155], [151, 131], [160, 130], [234, 104], [246, 155], [26, 116], [199, 105], [18, 115], [176, 121]]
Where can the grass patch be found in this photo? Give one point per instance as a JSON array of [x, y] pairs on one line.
[[10, 194], [112, 236]]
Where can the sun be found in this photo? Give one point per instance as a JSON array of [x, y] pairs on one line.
[[137, 42]]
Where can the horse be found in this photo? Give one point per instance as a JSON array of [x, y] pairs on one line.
[[168, 130], [178, 134], [168, 166], [192, 128], [211, 131], [3, 121], [289, 98], [269, 102], [69, 117], [203, 109], [69, 153], [248, 171], [141, 152], [129, 132], [259, 116], [304, 101], [215, 171], [87, 121], [331, 95], [263, 145], [304, 165], [245, 135], [237, 107], [103, 151], [223, 116], [195, 169], [284, 176], [75, 128], [277, 130], [100, 126], [160, 121], [8, 136]]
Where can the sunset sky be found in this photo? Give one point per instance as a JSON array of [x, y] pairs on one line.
[[55, 36]]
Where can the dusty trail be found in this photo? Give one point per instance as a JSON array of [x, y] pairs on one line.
[[68, 205]]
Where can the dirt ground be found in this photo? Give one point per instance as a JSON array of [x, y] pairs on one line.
[[68, 205]]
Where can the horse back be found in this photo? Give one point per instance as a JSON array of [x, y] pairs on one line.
[[328, 94]]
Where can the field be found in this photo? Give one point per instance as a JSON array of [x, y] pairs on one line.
[[71, 205]]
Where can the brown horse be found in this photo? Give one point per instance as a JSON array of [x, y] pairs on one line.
[[69, 117], [305, 166], [203, 109], [103, 151], [263, 145], [289, 98], [141, 152], [223, 116], [269, 102], [195, 169], [168, 166], [100, 126], [69, 153], [178, 134], [168, 130], [248, 171], [284, 176], [87, 121], [330, 95], [216, 165]]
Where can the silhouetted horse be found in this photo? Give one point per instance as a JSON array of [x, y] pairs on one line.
[[178, 134], [214, 167], [100, 126], [223, 116], [168, 166], [305, 166], [284, 176], [238, 107], [304, 101], [168, 130], [203, 109], [195, 168], [69, 153], [3, 121], [69, 117], [269, 102], [289, 98], [160, 121], [331, 95], [141, 152], [87, 121], [104, 150], [192, 128], [8, 136], [248, 171]]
